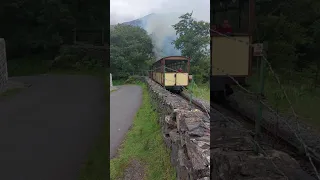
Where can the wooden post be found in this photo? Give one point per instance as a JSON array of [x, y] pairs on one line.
[[102, 36], [262, 58], [75, 36]]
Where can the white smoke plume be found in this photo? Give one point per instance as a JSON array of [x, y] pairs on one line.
[[164, 14], [159, 26]]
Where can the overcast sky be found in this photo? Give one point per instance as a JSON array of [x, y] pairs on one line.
[[127, 10]]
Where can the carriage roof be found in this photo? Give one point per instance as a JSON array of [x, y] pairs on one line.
[[175, 58]]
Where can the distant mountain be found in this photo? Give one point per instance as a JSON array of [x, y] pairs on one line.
[[141, 22]]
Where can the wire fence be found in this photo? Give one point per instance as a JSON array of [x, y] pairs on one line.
[[258, 96], [260, 99]]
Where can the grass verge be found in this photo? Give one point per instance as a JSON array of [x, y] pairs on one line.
[[118, 82], [96, 167], [201, 91], [36, 64], [93, 72], [304, 97], [10, 92], [144, 142]]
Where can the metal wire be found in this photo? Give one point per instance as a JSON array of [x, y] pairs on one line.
[[286, 96]]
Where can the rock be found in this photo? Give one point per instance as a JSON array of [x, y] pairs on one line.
[[182, 158], [189, 156], [232, 157], [170, 122], [205, 178], [174, 136], [196, 158], [192, 123], [199, 132]]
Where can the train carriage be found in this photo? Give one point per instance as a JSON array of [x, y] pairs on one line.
[[231, 56], [171, 72]]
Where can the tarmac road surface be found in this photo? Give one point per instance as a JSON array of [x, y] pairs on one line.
[[47, 130], [124, 104]]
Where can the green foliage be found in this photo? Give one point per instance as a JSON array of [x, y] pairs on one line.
[[75, 62], [65, 61], [144, 143], [193, 37], [38, 26], [36, 64], [77, 58], [130, 50], [291, 28], [193, 41]]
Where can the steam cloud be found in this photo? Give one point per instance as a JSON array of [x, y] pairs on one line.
[[164, 14], [159, 26]]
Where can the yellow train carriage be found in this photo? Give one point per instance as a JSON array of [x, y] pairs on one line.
[[231, 55], [171, 72]]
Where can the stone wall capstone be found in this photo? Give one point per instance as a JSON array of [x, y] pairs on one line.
[[186, 132], [3, 66]]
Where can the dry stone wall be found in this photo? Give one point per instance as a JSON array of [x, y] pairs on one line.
[[186, 131], [233, 156], [3, 66], [285, 126]]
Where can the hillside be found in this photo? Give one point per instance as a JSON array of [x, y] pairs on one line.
[[141, 22]]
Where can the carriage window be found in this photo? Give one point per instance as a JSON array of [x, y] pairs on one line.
[[235, 11], [157, 67], [175, 65]]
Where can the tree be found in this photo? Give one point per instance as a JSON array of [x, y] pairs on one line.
[[130, 49], [287, 26], [43, 25], [194, 42]]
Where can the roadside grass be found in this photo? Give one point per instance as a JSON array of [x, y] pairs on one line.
[[118, 82], [144, 143], [10, 92], [93, 72], [304, 98], [96, 166], [42, 64], [37, 64], [201, 91], [113, 91]]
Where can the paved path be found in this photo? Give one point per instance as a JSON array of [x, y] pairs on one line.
[[47, 129], [124, 103]]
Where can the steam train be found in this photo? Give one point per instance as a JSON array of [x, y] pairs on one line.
[[171, 72], [231, 56]]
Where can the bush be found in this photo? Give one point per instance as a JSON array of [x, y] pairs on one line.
[[65, 61], [76, 58]]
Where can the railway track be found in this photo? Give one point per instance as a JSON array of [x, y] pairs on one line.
[[269, 137], [196, 103]]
